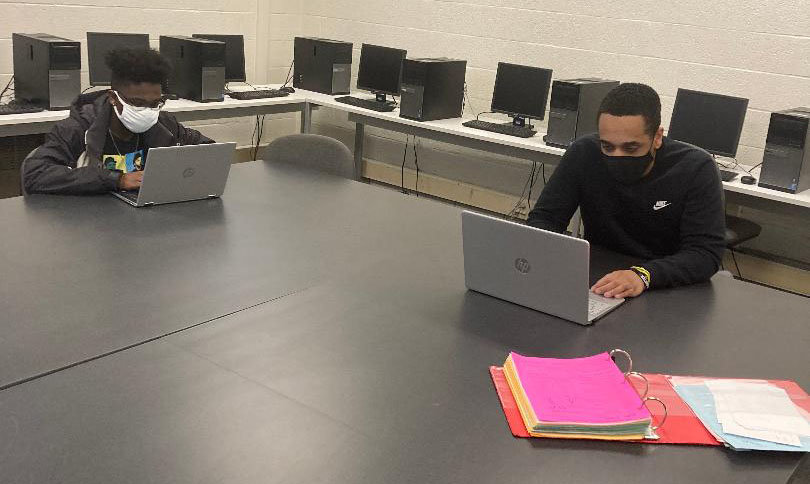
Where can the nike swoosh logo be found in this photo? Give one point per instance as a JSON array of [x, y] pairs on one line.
[[659, 206]]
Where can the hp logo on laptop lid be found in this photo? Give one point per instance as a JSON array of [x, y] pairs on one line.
[[188, 173], [522, 266]]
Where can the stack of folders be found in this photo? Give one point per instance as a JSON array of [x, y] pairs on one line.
[[580, 398]]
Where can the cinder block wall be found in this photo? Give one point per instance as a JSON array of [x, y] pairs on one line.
[[268, 27], [757, 50]]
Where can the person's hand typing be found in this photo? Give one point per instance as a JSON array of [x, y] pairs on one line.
[[130, 181], [619, 284]]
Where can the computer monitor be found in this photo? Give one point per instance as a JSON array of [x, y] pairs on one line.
[[380, 70], [234, 55], [100, 43], [710, 121], [521, 91]]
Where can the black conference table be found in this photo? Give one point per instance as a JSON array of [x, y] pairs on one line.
[[86, 276], [369, 363]]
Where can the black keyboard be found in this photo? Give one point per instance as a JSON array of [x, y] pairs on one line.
[[366, 103], [726, 175], [502, 128], [258, 94], [19, 108]]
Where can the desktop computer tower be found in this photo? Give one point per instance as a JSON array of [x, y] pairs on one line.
[[432, 89], [234, 55], [198, 67], [46, 70], [322, 65], [574, 106], [786, 163]]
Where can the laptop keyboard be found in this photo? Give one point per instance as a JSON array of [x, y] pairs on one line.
[[132, 196], [596, 307]]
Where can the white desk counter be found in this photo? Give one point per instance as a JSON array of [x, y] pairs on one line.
[[447, 130]]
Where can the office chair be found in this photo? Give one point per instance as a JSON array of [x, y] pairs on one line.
[[22, 171], [739, 230], [311, 150]]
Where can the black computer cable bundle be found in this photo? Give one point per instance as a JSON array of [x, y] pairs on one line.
[[734, 259], [228, 88], [415, 162], [402, 168], [533, 175], [735, 165], [256, 137], [465, 100], [533, 178], [289, 75], [258, 129], [8, 89]]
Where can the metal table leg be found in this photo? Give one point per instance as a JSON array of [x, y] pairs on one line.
[[359, 132], [306, 118]]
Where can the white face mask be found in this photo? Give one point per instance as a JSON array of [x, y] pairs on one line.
[[137, 119]]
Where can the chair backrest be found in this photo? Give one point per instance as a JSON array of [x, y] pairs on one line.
[[315, 151], [22, 171]]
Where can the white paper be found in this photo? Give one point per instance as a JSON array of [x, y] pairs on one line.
[[778, 423], [770, 436], [759, 411]]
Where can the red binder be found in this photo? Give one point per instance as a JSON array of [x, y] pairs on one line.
[[681, 427]]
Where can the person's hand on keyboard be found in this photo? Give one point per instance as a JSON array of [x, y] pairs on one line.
[[619, 284], [130, 181]]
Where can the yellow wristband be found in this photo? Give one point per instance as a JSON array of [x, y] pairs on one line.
[[644, 274]]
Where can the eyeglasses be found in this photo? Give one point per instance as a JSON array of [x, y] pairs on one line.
[[141, 104]]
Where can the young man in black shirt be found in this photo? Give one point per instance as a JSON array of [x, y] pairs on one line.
[[102, 146], [640, 194]]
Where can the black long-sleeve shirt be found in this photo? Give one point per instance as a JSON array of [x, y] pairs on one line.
[[673, 219]]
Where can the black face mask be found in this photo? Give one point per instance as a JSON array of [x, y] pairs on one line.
[[628, 169]]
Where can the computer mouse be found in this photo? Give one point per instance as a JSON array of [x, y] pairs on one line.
[[748, 180], [287, 89]]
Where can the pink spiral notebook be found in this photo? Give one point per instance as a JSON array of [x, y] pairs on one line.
[[590, 391]]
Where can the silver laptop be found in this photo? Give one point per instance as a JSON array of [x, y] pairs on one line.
[[542, 270], [182, 173]]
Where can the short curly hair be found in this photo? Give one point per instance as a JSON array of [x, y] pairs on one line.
[[134, 66], [633, 99]]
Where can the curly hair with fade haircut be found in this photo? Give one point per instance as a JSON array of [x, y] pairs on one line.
[[634, 99], [135, 66]]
